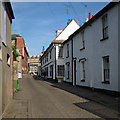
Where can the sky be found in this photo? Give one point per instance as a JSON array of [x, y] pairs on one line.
[[37, 22]]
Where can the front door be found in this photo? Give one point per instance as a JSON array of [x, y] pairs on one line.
[[75, 72], [52, 71]]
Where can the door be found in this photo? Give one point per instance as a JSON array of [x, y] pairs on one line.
[[52, 70], [74, 72]]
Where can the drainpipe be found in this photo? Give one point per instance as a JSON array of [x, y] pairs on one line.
[[55, 65]]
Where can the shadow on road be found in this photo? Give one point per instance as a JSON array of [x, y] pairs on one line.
[[97, 97], [36, 77]]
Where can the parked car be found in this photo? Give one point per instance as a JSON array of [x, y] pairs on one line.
[[31, 73], [35, 73]]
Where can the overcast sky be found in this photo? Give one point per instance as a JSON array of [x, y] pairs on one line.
[[37, 22]]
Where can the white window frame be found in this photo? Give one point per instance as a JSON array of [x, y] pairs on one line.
[[105, 26], [82, 70], [67, 50], [60, 69], [8, 60], [68, 70], [23, 51], [60, 55], [82, 41], [105, 69]]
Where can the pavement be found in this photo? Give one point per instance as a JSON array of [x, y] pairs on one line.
[[40, 98]]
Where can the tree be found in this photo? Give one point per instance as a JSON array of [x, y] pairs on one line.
[[15, 54]]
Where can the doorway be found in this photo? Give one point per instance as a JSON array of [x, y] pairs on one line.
[[74, 72]]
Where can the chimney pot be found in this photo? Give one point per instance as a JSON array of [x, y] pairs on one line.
[[89, 15], [43, 50]]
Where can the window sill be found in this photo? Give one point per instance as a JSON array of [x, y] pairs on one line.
[[82, 48], [104, 39], [4, 44], [106, 82], [83, 80], [8, 65]]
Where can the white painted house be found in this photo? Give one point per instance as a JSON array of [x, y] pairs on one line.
[[52, 60], [67, 45], [95, 51]]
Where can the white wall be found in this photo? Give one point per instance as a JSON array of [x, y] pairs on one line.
[[59, 61], [50, 61], [68, 59], [95, 50]]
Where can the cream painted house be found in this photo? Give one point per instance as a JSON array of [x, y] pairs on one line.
[[6, 16]]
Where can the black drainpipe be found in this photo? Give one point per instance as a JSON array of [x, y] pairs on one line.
[[55, 65], [72, 58]]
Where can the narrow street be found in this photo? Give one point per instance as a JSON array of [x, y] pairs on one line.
[[47, 101]]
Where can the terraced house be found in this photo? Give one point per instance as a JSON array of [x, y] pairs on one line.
[[6, 16], [23, 55], [92, 53], [52, 60]]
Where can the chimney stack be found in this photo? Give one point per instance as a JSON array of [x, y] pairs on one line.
[[43, 50], [92, 15], [68, 22], [89, 15], [58, 32]]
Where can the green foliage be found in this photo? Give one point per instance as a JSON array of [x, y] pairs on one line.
[[15, 55], [13, 38]]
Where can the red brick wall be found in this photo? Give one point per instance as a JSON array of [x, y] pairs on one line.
[[20, 45], [24, 67]]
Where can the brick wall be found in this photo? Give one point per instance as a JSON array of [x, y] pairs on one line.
[[21, 46]]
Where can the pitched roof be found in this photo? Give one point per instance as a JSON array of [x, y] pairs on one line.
[[66, 27], [9, 10], [58, 41]]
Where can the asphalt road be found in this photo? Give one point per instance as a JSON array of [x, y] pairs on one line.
[[47, 101]]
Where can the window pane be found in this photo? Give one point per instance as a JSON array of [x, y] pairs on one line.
[[105, 26], [60, 70], [106, 68], [60, 55], [83, 70]]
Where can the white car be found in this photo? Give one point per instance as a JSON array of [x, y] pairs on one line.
[[35, 73]]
